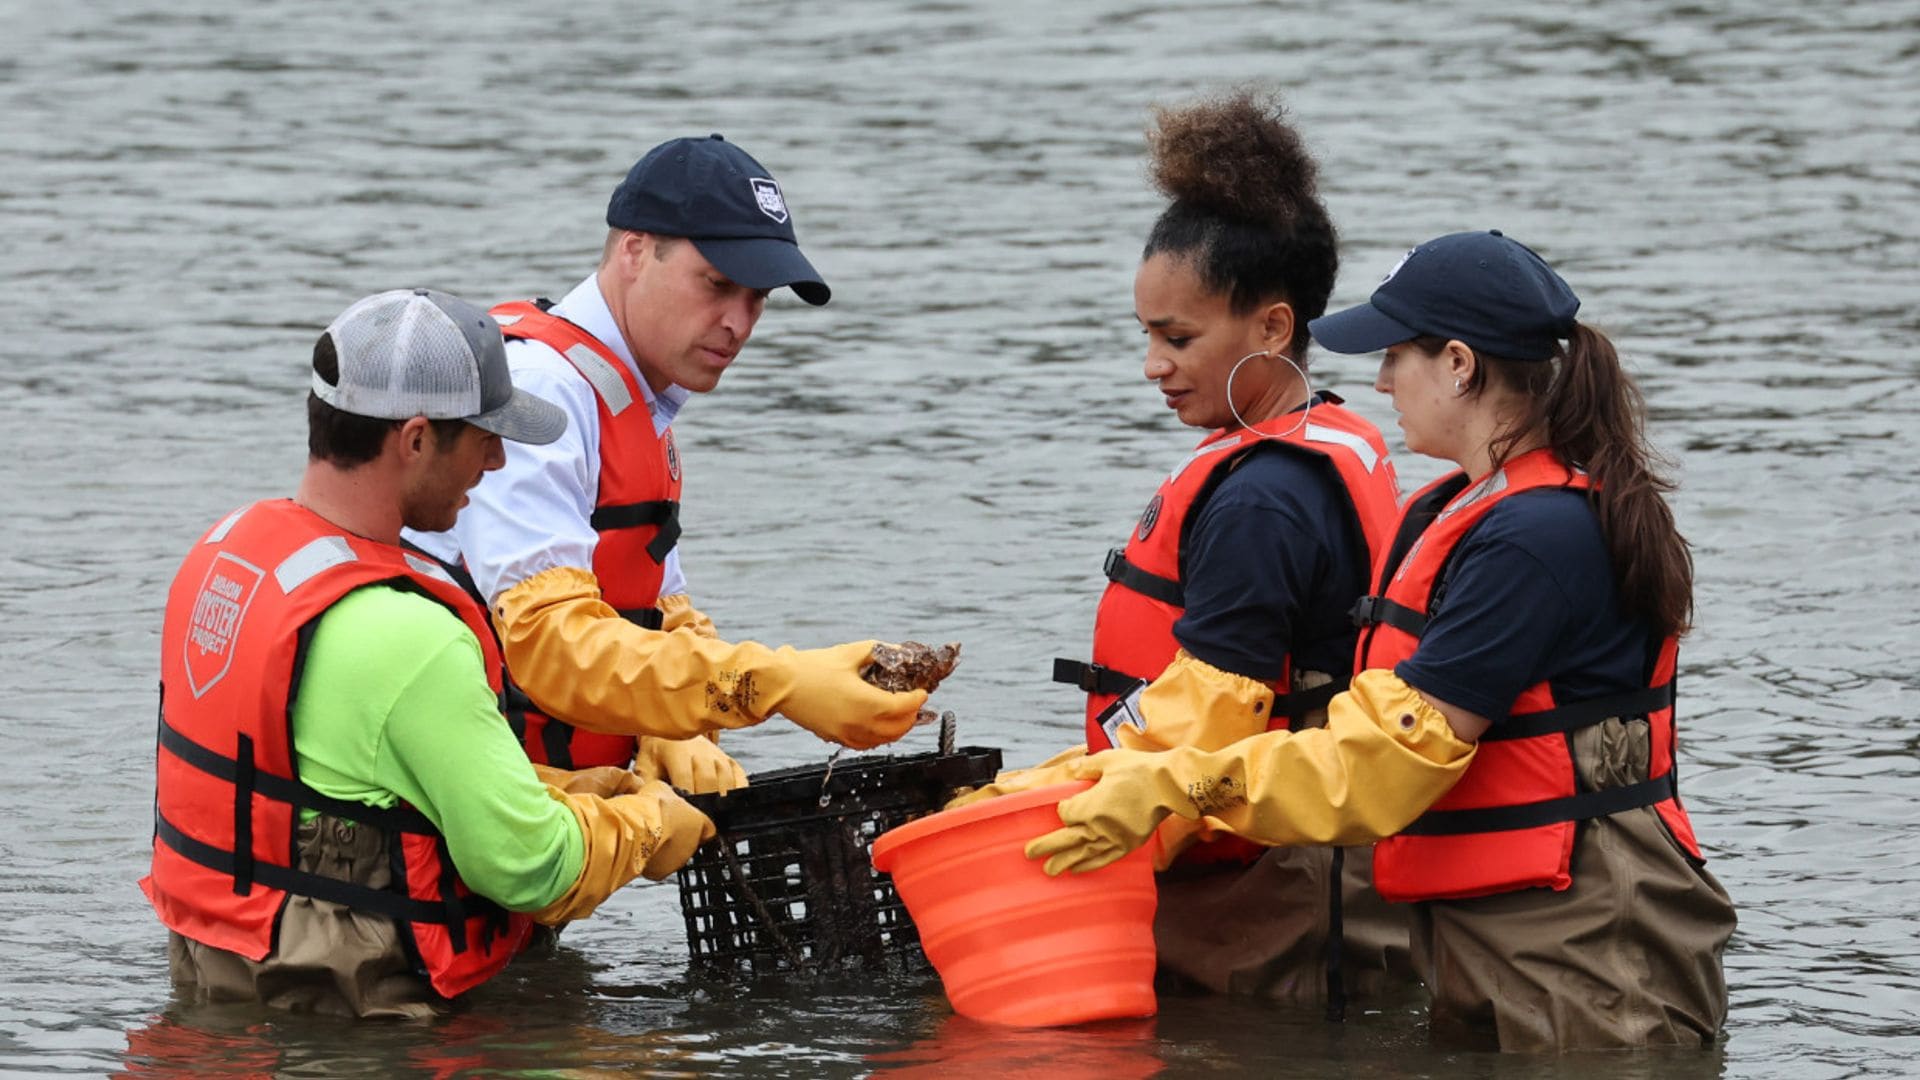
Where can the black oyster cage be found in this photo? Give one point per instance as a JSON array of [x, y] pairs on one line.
[[787, 885]]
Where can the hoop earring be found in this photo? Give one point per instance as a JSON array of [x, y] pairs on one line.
[[1304, 381]]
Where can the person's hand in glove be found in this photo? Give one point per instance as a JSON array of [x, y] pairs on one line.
[[651, 832], [695, 765], [579, 660], [822, 691], [605, 781], [1385, 755], [1057, 769]]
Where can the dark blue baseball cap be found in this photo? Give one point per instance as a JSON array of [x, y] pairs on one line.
[[1483, 288], [713, 193]]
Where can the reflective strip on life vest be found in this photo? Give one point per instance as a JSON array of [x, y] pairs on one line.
[[605, 379], [320, 555]]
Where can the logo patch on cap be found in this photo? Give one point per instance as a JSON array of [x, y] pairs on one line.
[[1398, 265], [767, 193]]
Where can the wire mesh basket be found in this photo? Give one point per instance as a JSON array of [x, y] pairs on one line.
[[787, 885]]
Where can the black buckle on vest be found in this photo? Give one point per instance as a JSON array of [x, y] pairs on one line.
[[1152, 586], [1091, 678], [1369, 610], [664, 513]]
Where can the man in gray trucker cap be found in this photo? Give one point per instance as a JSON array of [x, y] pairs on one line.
[[344, 822]]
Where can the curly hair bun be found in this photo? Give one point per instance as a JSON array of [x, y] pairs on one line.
[[1233, 155]]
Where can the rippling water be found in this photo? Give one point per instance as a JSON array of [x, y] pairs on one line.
[[192, 189]]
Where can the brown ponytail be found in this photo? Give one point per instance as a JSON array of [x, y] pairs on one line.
[[1594, 417]]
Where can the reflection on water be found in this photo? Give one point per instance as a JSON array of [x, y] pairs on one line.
[[945, 452], [1115, 1050]]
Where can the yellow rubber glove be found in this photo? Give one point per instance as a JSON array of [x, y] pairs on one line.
[[1193, 703], [605, 781], [1383, 758], [579, 660], [650, 833], [694, 765], [1055, 770], [678, 613]]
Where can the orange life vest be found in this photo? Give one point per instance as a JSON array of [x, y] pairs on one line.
[[1509, 822], [228, 794], [636, 514], [1133, 627]]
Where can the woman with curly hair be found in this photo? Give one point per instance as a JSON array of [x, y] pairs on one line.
[[1226, 613]]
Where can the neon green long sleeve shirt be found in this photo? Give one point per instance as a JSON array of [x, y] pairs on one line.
[[394, 705]]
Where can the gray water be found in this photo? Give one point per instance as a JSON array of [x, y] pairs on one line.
[[190, 190]]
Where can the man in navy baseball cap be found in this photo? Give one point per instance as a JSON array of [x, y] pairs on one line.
[[1483, 288], [713, 193], [574, 545]]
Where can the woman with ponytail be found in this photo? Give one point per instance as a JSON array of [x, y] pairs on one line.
[[1226, 611], [1509, 739]]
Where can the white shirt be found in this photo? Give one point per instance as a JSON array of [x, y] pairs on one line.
[[534, 513]]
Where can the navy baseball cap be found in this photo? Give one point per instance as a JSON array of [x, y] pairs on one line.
[[713, 193], [1483, 288]]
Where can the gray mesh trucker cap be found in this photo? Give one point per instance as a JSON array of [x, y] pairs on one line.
[[417, 352]]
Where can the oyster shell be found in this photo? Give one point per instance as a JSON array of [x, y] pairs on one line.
[[911, 665]]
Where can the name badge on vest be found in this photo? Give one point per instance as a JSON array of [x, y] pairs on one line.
[[1124, 710]]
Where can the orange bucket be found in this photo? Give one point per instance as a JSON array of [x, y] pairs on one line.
[[1012, 945]]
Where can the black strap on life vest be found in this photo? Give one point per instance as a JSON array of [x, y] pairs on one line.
[[241, 773], [556, 738], [241, 865], [455, 903], [1577, 807], [1152, 586], [286, 878], [1297, 704], [647, 618], [662, 512], [1092, 678], [515, 705], [1579, 714], [1376, 610]]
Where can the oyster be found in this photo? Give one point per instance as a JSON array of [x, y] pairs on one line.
[[911, 665]]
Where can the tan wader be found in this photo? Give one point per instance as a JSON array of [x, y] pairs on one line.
[[327, 958], [1628, 956], [1262, 930]]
